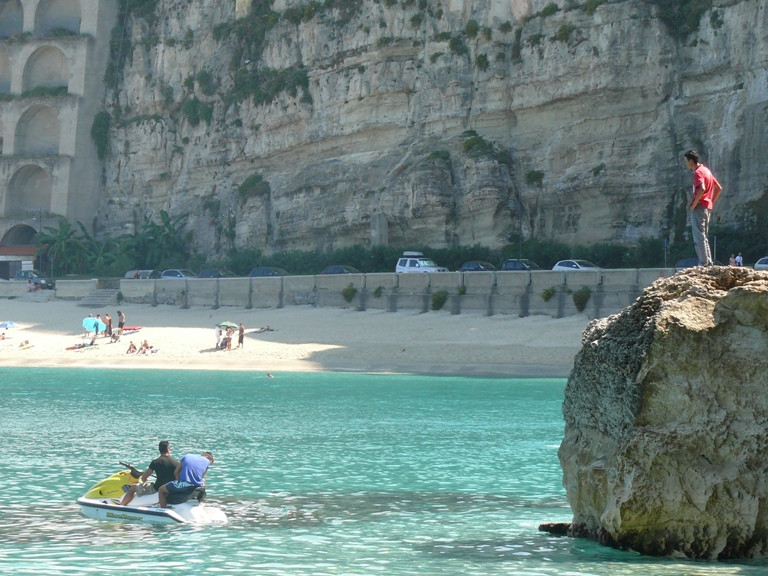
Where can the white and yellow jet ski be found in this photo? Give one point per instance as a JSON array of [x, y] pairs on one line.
[[102, 501]]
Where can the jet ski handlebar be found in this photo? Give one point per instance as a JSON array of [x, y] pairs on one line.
[[134, 472]]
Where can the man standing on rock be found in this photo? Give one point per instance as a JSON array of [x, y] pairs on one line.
[[706, 190]]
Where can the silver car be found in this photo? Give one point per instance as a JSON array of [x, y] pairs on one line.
[[575, 265]]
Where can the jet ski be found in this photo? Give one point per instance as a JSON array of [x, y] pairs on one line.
[[102, 502]]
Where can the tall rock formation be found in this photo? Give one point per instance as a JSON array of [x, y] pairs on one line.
[[295, 124], [666, 439]]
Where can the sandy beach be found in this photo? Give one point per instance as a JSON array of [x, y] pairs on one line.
[[299, 338]]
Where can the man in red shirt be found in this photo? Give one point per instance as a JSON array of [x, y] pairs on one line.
[[706, 190]]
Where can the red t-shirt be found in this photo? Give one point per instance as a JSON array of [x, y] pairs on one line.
[[703, 175]]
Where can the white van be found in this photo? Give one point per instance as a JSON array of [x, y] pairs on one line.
[[417, 262]]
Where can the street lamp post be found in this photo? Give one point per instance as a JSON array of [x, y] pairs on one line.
[[39, 239]]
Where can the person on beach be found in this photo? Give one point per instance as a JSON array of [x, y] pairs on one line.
[[241, 335], [190, 474], [164, 469], [131, 348], [108, 322], [120, 324], [706, 190]]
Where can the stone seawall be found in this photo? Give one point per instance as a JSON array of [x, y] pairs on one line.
[[545, 292]]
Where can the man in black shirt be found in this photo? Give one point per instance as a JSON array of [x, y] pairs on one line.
[[163, 467]]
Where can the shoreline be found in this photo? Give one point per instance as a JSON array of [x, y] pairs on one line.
[[299, 339]]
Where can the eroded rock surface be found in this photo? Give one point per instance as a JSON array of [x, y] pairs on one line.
[[666, 409]]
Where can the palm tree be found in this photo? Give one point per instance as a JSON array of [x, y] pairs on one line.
[[63, 247]]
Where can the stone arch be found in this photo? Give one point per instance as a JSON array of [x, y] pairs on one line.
[[28, 191], [11, 18], [57, 15], [19, 235], [47, 67], [38, 132], [5, 73]]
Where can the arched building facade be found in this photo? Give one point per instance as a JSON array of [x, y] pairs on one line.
[[53, 54]]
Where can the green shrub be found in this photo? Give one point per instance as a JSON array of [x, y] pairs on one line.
[[254, 185], [591, 5], [100, 133], [462, 290], [547, 293], [457, 46], [581, 297], [563, 33], [481, 61], [206, 83], [439, 155], [534, 177], [439, 299], [349, 292], [378, 292], [681, 17], [549, 10], [471, 29]]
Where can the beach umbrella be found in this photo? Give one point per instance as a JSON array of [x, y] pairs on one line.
[[93, 324], [7, 324], [228, 324]]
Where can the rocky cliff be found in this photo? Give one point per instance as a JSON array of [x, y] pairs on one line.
[[297, 124], [666, 440]]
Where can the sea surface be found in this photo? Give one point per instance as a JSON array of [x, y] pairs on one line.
[[320, 474]]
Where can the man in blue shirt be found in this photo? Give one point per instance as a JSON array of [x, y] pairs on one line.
[[190, 474]]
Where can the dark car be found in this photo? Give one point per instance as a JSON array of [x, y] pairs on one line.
[[142, 274], [690, 263], [216, 273], [147, 274], [477, 266], [340, 269], [268, 271], [517, 264], [37, 279], [686, 263]]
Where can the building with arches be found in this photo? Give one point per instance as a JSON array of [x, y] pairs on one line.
[[53, 55]]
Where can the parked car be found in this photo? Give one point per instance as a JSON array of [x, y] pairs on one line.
[[142, 274], [519, 264], [340, 269], [216, 273], [268, 271], [762, 264], [477, 266], [178, 273], [575, 265], [417, 262], [686, 263], [147, 274], [37, 279]]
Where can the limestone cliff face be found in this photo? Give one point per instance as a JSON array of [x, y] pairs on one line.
[[666, 441], [430, 122]]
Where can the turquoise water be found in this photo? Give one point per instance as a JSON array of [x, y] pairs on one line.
[[320, 474]]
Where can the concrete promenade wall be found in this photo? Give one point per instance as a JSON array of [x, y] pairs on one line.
[[489, 293], [544, 292]]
